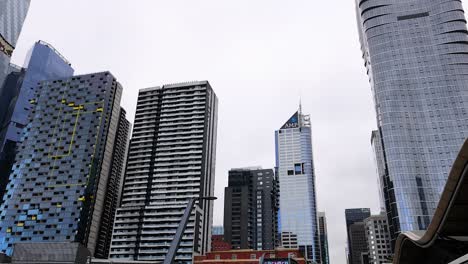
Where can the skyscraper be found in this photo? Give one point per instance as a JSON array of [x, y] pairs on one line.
[[298, 206], [63, 168], [415, 53], [251, 209], [358, 244], [356, 234], [171, 159], [323, 238], [12, 16], [114, 186], [43, 63]]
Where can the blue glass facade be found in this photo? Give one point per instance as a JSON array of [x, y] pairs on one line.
[[12, 16], [416, 55], [44, 63], [298, 203], [65, 164]]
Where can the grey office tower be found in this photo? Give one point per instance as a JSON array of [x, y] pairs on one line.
[[416, 54], [251, 209], [43, 63], [355, 230], [171, 159], [298, 203], [65, 164], [12, 16]]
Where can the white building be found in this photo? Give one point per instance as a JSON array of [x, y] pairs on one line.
[[378, 239]]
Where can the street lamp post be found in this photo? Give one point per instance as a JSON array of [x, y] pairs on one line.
[[181, 228]]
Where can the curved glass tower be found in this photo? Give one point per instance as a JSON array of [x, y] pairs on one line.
[[298, 207], [416, 56]]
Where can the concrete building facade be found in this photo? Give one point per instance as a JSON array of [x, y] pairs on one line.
[[171, 159], [378, 239]]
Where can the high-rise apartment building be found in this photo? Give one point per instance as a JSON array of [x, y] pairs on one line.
[[12, 16], [251, 209], [298, 206], [378, 239], [43, 63], [356, 234], [323, 238], [65, 163], [171, 159], [415, 53]]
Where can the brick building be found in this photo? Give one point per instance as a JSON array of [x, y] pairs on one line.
[[249, 256], [218, 243]]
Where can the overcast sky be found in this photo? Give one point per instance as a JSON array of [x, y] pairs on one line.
[[260, 56]]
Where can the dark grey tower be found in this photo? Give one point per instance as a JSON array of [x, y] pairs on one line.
[[60, 180], [171, 159], [416, 54], [251, 209], [322, 220], [356, 233], [114, 186]]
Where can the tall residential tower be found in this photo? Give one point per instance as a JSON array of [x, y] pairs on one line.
[[298, 206], [171, 159], [65, 164], [251, 209], [416, 54]]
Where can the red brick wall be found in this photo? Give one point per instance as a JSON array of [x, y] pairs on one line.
[[246, 256]]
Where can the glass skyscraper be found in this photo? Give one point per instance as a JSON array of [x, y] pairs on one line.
[[66, 162], [416, 56], [43, 63], [298, 224], [171, 159], [12, 16]]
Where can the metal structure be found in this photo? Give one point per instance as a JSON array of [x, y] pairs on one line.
[[170, 256]]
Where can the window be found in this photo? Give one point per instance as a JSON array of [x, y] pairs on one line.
[[253, 256], [299, 168], [217, 257], [290, 172], [234, 256]]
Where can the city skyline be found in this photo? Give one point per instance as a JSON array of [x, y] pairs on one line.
[[277, 86]]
